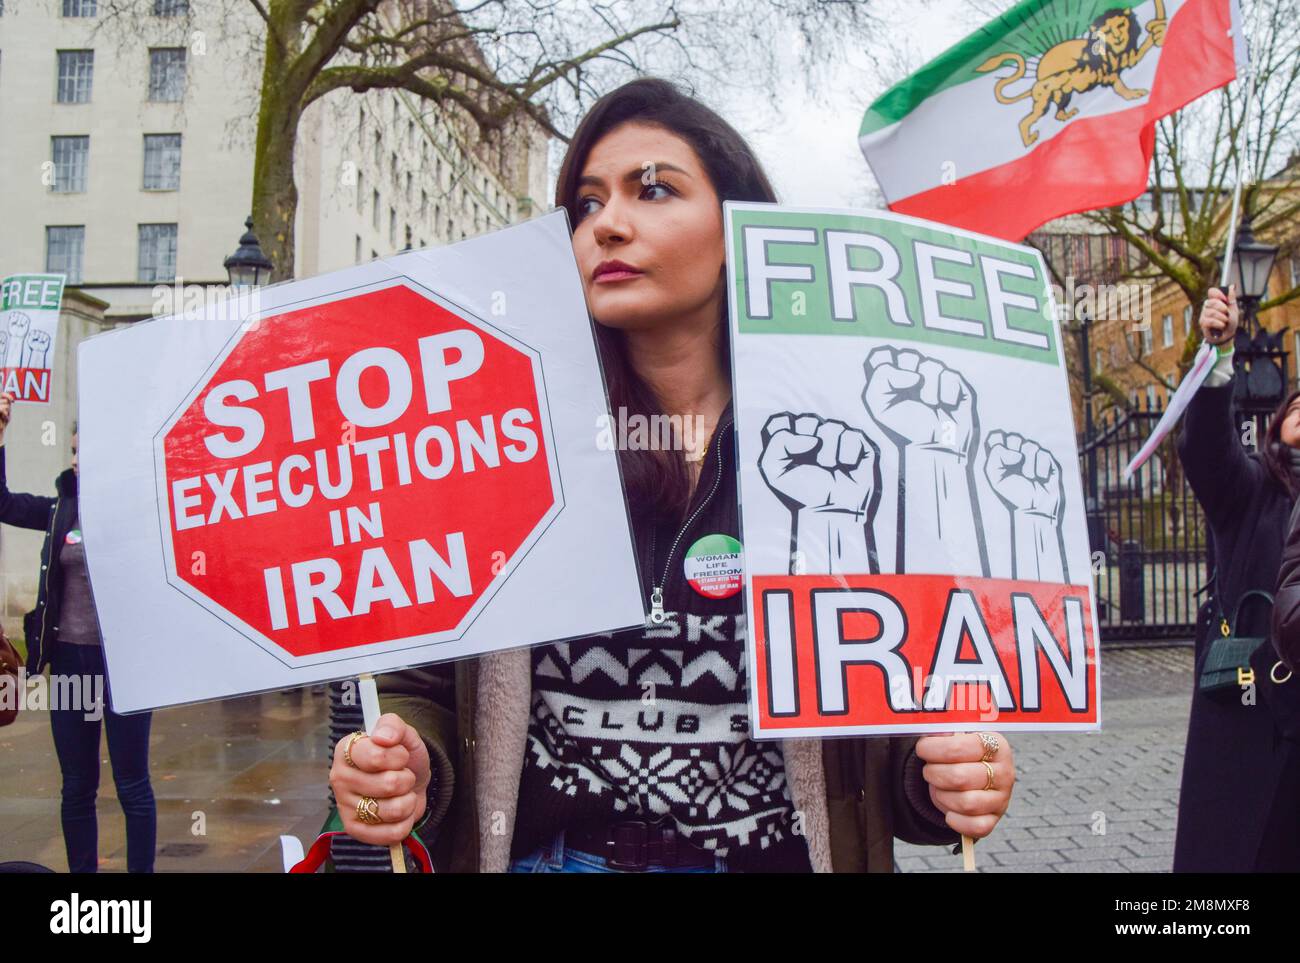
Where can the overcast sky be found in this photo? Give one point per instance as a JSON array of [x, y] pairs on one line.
[[811, 151]]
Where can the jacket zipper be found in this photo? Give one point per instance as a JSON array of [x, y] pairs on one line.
[[49, 567], [657, 615]]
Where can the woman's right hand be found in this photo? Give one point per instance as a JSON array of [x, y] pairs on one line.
[[390, 766], [1219, 316]]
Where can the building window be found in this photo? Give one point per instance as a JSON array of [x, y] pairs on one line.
[[424, 204], [410, 133], [396, 179], [171, 8], [157, 252], [162, 162], [76, 71], [63, 251], [357, 255], [69, 155], [361, 192], [166, 73], [1167, 326], [80, 8], [1151, 397], [408, 187], [1097, 363], [374, 209], [379, 153], [1146, 340], [392, 226]]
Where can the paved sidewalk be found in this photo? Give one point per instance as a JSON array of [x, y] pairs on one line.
[[1094, 802], [230, 777]]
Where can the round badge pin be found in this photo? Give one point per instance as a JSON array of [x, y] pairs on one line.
[[74, 537], [712, 566]]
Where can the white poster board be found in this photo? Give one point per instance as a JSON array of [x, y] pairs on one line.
[[29, 330], [384, 466], [915, 547]]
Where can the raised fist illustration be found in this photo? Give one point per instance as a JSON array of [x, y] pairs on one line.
[[811, 462], [918, 401], [37, 349], [1026, 477]]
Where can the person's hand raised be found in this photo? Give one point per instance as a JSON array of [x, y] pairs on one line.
[[1220, 316]]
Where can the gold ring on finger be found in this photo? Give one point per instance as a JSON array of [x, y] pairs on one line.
[[988, 767], [347, 750], [368, 811], [991, 745]]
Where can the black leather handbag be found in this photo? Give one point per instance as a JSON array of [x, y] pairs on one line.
[[1228, 657]]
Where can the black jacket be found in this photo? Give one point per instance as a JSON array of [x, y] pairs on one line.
[[1239, 774], [55, 517]]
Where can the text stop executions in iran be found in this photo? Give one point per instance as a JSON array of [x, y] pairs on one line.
[[343, 480]]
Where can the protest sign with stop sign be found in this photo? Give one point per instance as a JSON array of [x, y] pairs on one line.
[[385, 466], [332, 482]]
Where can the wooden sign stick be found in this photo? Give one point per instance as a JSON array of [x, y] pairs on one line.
[[370, 711]]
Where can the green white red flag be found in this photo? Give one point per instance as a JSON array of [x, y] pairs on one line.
[[1046, 111]]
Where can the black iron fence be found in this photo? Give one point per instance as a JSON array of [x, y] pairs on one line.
[[1147, 535]]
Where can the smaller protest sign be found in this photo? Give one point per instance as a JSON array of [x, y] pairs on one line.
[[1202, 365], [29, 328]]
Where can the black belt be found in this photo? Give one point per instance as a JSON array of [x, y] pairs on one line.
[[634, 845]]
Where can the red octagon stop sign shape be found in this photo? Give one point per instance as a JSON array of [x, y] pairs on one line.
[[360, 470]]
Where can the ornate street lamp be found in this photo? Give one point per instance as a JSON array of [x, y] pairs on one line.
[[1252, 263], [1259, 358], [248, 267]]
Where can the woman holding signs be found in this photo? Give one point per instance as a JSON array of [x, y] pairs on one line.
[[631, 752], [1237, 811]]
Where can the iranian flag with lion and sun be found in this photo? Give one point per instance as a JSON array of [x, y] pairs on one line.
[[1046, 111]]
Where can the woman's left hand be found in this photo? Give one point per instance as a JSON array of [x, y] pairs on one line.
[[958, 777]]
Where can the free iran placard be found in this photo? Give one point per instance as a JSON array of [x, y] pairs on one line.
[[915, 547], [385, 466]]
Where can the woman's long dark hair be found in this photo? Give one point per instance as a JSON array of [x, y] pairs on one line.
[[657, 482], [1276, 453]]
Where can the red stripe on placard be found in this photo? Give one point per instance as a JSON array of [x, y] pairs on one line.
[[1095, 161], [26, 384], [887, 652]]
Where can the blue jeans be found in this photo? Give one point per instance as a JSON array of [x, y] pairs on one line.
[[557, 858], [76, 740]]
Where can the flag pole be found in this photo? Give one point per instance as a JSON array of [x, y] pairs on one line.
[[1238, 149], [1202, 362]]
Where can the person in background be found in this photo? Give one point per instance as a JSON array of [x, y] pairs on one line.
[[63, 633], [1235, 811]]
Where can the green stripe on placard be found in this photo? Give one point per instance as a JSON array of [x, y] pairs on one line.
[[32, 291], [973, 315], [1029, 29]]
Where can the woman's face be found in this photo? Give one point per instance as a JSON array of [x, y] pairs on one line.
[[1290, 430], [646, 202]]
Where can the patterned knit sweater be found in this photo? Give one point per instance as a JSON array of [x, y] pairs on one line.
[[653, 722]]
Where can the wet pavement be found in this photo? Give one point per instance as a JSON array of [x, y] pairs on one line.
[[231, 777]]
